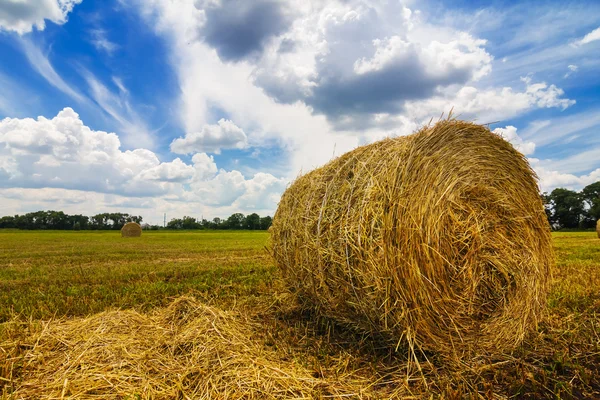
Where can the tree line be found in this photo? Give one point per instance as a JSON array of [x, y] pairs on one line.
[[58, 220], [235, 221], [565, 209], [573, 210]]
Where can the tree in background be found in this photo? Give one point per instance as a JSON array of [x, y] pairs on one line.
[[591, 197], [236, 221], [252, 221], [113, 220], [566, 208], [265, 222]]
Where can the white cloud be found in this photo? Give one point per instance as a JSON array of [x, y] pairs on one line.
[[63, 152], [42, 65], [572, 69], [590, 37], [438, 59], [229, 188], [546, 96], [564, 128], [509, 134], [490, 105], [262, 191], [550, 178], [174, 171], [211, 138], [132, 126], [275, 96], [63, 157], [22, 16], [205, 166], [101, 42]]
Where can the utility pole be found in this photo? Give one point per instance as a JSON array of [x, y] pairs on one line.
[[165, 221]]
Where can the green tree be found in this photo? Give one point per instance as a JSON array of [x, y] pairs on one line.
[[252, 221], [236, 221], [567, 208], [190, 223], [8, 222], [265, 222], [591, 197], [175, 223]]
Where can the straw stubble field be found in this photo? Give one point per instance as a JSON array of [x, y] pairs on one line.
[[90, 315]]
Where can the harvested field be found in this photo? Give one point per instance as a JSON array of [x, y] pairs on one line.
[[239, 334]]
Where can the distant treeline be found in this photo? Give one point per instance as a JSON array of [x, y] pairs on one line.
[[61, 221], [114, 221], [235, 221]]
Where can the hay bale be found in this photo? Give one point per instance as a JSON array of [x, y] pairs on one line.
[[598, 228], [131, 229], [437, 240]]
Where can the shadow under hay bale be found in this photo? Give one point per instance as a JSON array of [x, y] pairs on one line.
[[437, 241], [131, 229]]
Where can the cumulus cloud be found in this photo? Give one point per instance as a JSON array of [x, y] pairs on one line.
[[349, 61], [22, 16], [205, 166], [211, 138], [229, 188], [340, 74], [62, 154], [491, 105], [238, 29], [551, 178], [174, 171], [509, 134]]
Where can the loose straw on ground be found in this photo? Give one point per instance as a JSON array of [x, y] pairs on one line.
[[188, 350]]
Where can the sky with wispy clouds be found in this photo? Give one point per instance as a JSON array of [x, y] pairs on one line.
[[209, 107]]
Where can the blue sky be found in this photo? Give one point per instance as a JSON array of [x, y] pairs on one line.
[[208, 107]]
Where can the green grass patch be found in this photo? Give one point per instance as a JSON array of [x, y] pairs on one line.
[[46, 274]]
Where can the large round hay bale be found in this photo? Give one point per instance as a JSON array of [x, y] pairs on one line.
[[438, 240], [598, 228], [131, 229]]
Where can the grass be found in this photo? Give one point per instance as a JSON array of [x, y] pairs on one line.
[[46, 275], [52, 274]]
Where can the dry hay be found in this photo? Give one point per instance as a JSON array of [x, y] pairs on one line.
[[185, 351], [131, 229], [437, 241], [598, 228]]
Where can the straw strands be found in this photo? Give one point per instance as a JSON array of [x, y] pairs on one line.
[[131, 229], [435, 241], [188, 350]]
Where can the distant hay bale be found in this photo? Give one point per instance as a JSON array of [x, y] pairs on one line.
[[131, 229], [598, 228], [438, 240]]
